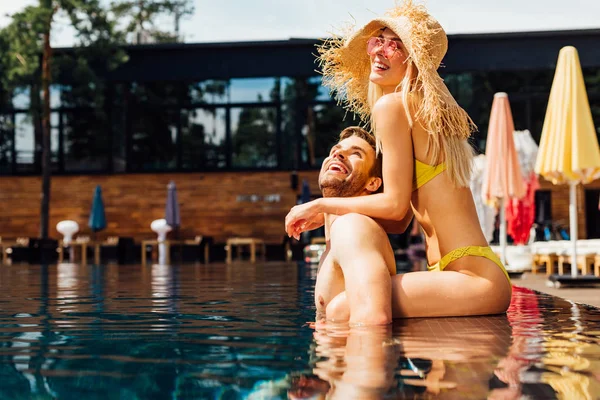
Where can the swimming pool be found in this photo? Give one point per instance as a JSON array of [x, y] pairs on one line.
[[241, 331]]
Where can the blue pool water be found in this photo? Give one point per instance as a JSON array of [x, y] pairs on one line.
[[242, 331]]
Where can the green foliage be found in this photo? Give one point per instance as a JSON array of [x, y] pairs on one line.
[[254, 138], [139, 18], [21, 42]]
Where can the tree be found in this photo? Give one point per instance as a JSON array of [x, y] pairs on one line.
[[20, 59], [27, 38], [28, 61], [139, 17]]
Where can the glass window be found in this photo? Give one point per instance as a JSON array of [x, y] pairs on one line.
[[203, 139], [540, 81], [119, 142], [503, 81], [24, 143], [54, 140], [322, 91], [55, 96], [520, 109], [85, 141], [157, 93], [461, 87], [153, 138], [538, 106], [253, 90], [289, 138], [21, 98], [6, 142], [592, 79], [208, 92], [321, 128], [253, 141], [301, 90]]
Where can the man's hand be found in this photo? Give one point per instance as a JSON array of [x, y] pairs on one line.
[[303, 218]]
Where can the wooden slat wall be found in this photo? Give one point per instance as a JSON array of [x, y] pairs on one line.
[[208, 203]]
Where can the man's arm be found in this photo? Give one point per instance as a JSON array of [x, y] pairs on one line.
[[361, 248]]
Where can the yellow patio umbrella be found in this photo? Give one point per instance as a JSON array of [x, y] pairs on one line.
[[569, 151]]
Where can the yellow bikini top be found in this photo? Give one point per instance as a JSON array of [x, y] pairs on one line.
[[425, 172]]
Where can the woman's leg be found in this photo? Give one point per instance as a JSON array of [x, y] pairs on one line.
[[481, 289], [448, 293]]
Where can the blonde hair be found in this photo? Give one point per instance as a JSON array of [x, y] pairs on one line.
[[455, 151]]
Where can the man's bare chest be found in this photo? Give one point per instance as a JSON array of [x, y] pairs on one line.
[[329, 283]]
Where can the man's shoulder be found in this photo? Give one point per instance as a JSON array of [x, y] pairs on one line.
[[352, 224], [356, 236]]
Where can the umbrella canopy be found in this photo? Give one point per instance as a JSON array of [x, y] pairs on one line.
[[568, 147], [569, 151], [172, 207], [97, 220], [502, 180]]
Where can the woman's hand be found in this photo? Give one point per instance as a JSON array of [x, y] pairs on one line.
[[302, 218]]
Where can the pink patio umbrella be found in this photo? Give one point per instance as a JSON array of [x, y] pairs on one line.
[[502, 180]]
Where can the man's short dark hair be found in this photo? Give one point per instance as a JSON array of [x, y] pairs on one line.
[[369, 138]]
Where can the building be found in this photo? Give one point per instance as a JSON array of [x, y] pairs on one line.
[[239, 126]]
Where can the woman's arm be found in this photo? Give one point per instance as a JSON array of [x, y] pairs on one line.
[[393, 129], [396, 227]]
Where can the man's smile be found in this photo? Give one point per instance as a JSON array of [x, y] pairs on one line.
[[337, 167]]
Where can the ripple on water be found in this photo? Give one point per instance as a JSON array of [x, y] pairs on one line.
[[240, 331]]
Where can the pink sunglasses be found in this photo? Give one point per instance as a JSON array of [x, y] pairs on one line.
[[388, 46]]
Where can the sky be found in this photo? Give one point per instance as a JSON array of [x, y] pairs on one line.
[[247, 20]]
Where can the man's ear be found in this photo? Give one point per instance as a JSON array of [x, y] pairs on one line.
[[374, 184]]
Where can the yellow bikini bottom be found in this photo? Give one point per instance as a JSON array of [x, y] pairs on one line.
[[479, 251]]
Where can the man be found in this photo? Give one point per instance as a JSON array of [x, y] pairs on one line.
[[353, 280]]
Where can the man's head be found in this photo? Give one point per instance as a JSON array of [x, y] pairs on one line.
[[353, 167]]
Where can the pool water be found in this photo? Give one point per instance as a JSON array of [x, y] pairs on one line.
[[243, 331]]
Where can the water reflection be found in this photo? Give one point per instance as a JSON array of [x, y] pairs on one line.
[[445, 357], [527, 353], [239, 332]]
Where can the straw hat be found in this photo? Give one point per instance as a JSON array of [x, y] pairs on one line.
[[346, 67]]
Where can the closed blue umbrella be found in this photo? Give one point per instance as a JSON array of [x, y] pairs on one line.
[[97, 220], [172, 208]]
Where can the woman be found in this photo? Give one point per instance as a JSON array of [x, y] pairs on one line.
[[387, 74]]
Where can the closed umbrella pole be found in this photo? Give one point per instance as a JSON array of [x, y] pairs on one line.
[[573, 226]]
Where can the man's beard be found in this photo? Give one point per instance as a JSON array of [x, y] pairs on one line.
[[333, 187]]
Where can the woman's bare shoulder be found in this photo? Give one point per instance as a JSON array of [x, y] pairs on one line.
[[391, 102], [389, 114]]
